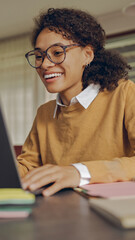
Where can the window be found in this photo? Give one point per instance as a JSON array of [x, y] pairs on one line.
[[21, 90], [125, 45]]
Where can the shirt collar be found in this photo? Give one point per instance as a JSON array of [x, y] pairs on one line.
[[85, 98]]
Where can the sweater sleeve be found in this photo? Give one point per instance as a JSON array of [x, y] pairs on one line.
[[118, 169], [30, 156]]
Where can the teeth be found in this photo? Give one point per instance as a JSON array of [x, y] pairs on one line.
[[52, 75]]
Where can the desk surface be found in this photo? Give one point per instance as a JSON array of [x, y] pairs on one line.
[[64, 216]]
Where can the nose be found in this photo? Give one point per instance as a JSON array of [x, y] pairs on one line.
[[47, 63]]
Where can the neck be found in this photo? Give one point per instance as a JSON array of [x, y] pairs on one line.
[[67, 95]]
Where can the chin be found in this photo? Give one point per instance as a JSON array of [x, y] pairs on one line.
[[52, 90]]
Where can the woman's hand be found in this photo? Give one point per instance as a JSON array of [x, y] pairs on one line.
[[60, 176]]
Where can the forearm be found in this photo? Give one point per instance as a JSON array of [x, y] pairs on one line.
[[117, 169]]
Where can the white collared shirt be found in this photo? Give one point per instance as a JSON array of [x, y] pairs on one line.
[[85, 98]]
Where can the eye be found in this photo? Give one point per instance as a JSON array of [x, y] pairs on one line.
[[57, 53], [38, 58]]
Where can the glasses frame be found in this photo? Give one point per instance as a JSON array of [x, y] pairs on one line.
[[45, 54]]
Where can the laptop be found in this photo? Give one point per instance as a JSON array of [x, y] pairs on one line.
[[9, 174]]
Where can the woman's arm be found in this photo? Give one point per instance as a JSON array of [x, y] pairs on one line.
[[30, 155]]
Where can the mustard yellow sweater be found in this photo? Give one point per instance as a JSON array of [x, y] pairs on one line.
[[102, 136]]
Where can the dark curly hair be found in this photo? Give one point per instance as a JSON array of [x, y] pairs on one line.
[[107, 67]]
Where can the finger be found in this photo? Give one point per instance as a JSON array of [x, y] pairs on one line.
[[34, 175], [42, 182], [43, 172], [51, 175], [32, 172], [57, 186]]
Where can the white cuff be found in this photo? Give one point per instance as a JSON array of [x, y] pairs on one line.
[[84, 173]]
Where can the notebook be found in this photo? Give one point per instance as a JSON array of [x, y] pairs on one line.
[[9, 174], [120, 212], [110, 190]]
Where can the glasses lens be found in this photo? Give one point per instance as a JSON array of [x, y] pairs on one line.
[[56, 54], [35, 58]]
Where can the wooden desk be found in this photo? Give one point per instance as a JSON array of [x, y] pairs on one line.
[[64, 216]]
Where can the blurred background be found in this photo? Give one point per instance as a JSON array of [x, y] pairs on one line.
[[21, 91]]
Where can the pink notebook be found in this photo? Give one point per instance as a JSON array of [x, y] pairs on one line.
[[111, 190], [14, 214]]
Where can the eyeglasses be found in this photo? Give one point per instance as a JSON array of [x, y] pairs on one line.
[[55, 53]]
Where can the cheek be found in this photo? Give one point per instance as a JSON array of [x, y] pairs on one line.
[[74, 73], [75, 61], [75, 67]]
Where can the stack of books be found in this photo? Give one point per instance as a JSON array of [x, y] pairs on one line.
[[113, 201], [15, 203]]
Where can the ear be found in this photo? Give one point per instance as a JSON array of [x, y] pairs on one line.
[[88, 54]]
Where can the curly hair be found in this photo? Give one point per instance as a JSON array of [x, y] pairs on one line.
[[107, 67]]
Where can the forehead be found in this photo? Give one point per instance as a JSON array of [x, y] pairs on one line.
[[47, 38]]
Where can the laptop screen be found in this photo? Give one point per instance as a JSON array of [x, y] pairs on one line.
[[9, 177]]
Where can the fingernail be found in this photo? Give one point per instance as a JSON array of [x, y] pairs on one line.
[[46, 193], [32, 187]]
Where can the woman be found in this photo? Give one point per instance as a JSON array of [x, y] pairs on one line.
[[87, 134]]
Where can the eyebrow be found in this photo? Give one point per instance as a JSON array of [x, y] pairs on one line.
[[58, 43], [37, 48]]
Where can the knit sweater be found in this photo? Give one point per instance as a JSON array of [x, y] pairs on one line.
[[102, 136]]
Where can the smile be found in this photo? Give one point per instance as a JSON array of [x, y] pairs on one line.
[[52, 75]]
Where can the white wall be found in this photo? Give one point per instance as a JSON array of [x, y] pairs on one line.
[[117, 22]]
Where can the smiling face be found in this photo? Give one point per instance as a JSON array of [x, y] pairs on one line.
[[64, 78]]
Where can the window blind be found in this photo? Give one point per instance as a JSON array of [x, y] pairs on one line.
[[125, 45]]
